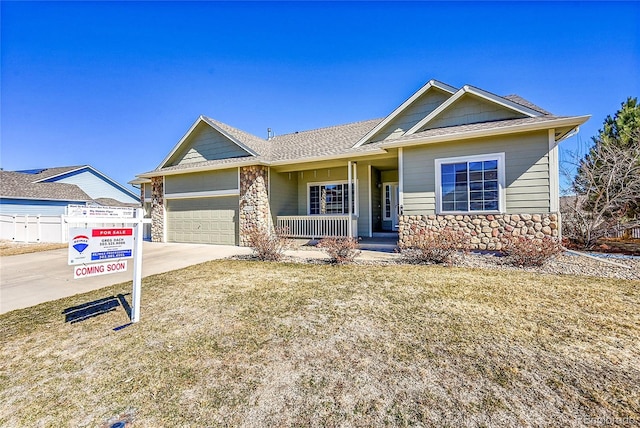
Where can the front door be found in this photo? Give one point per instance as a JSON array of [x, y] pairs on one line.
[[391, 205]]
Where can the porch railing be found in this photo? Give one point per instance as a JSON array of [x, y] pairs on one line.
[[309, 226]]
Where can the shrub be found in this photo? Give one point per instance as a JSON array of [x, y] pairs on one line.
[[431, 246], [526, 251], [340, 250], [268, 246]]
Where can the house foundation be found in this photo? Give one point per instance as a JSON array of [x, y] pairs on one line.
[[485, 231]]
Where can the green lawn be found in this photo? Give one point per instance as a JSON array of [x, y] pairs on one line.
[[231, 343]]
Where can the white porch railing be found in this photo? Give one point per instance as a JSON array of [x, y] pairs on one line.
[[316, 226]]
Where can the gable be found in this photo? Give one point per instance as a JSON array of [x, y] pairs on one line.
[[205, 143], [417, 111], [95, 185], [468, 109], [409, 113]]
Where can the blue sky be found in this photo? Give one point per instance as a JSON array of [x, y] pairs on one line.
[[116, 85]]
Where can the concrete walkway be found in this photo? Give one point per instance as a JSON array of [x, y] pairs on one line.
[[29, 279]]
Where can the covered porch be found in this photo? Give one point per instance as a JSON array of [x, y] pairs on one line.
[[339, 198]]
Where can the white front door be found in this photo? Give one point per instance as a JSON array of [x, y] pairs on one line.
[[391, 206]]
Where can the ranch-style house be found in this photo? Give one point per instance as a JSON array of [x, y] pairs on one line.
[[447, 157]]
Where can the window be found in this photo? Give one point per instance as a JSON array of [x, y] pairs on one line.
[[390, 201], [330, 198], [387, 202], [470, 184]]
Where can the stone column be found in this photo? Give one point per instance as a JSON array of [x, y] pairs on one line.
[[254, 201], [157, 209]]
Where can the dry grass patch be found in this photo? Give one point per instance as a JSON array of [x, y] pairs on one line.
[[239, 343], [10, 248]]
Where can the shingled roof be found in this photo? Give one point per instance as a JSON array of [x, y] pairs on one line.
[[21, 185], [340, 140]]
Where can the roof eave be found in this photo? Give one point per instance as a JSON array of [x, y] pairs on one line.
[[526, 127], [31, 198], [380, 151], [161, 173]]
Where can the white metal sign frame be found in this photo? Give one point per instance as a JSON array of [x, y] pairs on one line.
[[137, 223]]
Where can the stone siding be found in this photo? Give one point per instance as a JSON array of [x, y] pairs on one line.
[[254, 201], [157, 209], [485, 231]]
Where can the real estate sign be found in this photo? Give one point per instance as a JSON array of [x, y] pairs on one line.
[[88, 211], [96, 269], [99, 245]]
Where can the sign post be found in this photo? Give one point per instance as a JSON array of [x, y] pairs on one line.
[[101, 250], [137, 271]]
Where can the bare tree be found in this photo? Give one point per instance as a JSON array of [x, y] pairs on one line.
[[606, 189]]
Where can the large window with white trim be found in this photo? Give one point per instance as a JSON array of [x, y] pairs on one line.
[[470, 184], [329, 198]]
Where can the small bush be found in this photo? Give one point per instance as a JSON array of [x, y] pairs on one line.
[[340, 250], [526, 251], [439, 247], [268, 246]]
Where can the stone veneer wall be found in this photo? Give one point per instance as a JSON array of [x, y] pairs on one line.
[[254, 201], [157, 209], [485, 230]]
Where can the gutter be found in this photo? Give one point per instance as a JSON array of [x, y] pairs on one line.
[[536, 126]]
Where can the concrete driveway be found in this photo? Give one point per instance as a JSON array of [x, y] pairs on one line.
[[29, 279]]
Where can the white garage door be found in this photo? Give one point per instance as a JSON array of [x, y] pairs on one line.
[[203, 221]]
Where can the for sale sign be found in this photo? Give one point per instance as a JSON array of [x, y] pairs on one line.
[[97, 245]]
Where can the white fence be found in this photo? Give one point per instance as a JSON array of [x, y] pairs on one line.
[[304, 226], [32, 228]]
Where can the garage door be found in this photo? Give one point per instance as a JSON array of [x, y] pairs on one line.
[[203, 221]]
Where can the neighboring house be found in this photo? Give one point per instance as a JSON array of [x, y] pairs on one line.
[[462, 158], [48, 191]]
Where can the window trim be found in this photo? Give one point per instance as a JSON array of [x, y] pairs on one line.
[[472, 158], [325, 183]]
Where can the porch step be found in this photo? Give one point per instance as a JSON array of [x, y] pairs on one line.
[[389, 235], [386, 242]]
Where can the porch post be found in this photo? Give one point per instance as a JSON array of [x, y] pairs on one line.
[[349, 185]]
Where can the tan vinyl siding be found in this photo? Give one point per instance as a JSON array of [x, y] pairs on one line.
[[224, 179], [471, 109], [390, 176], [526, 171], [322, 175], [363, 199], [412, 115], [205, 143], [283, 198], [376, 199], [147, 190]]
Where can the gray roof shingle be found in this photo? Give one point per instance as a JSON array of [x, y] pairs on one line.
[[319, 142], [519, 100], [338, 140], [21, 186]]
